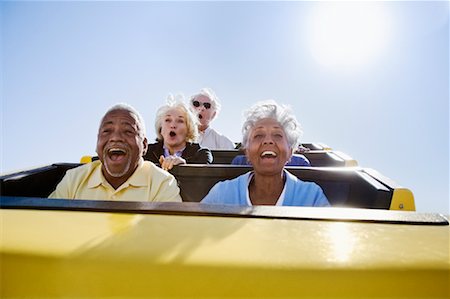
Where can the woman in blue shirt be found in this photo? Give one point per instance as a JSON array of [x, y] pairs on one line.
[[271, 133]]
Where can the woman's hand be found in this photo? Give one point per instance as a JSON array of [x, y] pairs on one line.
[[167, 163]]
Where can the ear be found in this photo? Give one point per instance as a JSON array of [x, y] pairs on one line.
[[145, 146]]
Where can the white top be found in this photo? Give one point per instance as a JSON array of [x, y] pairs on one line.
[[213, 140]]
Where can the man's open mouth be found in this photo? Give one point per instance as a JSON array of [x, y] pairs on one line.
[[116, 154]]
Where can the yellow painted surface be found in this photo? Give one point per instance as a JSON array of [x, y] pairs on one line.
[[402, 199], [49, 254]]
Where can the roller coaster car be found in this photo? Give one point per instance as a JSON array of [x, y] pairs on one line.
[[55, 248]]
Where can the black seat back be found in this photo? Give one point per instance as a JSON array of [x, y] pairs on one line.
[[347, 187]]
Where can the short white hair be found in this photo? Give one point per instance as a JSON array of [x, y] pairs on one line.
[[209, 93], [281, 113], [126, 107]]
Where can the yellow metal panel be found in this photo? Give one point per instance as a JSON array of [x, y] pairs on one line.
[[49, 254], [402, 199]]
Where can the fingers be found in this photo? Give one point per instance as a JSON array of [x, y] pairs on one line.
[[169, 162]]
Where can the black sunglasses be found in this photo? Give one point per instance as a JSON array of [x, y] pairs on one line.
[[197, 104]]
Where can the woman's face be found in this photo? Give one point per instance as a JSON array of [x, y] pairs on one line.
[[173, 128], [267, 147]]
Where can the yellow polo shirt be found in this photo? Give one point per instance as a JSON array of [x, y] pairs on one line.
[[147, 183]]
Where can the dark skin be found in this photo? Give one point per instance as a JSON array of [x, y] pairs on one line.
[[268, 151], [120, 146]]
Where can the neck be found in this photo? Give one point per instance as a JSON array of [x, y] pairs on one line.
[[202, 128], [265, 190], [116, 182]]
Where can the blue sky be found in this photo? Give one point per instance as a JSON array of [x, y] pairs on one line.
[[369, 79]]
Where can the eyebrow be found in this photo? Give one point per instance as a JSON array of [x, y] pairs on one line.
[[273, 127], [110, 122]]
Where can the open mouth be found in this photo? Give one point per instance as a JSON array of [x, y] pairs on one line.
[[172, 134], [268, 154], [200, 116], [116, 154]]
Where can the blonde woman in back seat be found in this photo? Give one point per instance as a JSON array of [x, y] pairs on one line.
[[271, 133]]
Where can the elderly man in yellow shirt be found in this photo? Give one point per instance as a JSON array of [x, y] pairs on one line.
[[120, 173]]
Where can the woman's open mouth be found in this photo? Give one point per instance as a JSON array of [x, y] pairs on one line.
[[172, 134], [268, 154]]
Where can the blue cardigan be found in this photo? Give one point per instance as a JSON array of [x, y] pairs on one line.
[[298, 193]]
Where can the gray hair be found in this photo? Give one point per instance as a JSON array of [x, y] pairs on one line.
[[209, 93], [177, 102], [126, 107], [281, 113]]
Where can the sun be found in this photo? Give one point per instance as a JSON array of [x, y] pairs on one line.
[[348, 34]]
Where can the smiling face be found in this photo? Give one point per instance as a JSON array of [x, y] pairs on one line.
[[174, 129], [267, 147], [205, 115], [119, 146]]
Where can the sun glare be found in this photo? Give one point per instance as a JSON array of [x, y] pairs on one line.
[[348, 34]]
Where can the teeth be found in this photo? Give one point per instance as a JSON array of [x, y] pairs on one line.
[[115, 150], [268, 153]]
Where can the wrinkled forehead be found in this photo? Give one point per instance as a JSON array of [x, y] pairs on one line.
[[120, 117], [267, 123], [176, 113]]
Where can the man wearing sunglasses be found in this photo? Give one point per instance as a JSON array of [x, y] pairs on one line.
[[206, 106]]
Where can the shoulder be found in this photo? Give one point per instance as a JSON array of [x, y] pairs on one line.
[[153, 146], [149, 168], [84, 170], [304, 193], [299, 183], [193, 146], [196, 147], [228, 191]]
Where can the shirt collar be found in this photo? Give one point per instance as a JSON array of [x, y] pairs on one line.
[[177, 153], [136, 179]]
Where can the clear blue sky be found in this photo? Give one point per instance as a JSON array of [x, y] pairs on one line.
[[371, 79]]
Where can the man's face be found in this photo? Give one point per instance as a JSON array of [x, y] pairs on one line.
[[119, 144], [200, 106]]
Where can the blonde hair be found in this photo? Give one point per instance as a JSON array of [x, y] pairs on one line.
[[177, 102]]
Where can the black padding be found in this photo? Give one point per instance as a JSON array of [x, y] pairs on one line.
[[347, 187], [343, 187], [317, 158]]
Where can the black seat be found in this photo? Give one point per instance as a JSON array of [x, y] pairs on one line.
[[348, 187]]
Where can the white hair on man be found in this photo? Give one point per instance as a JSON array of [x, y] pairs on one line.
[[127, 107], [209, 93]]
